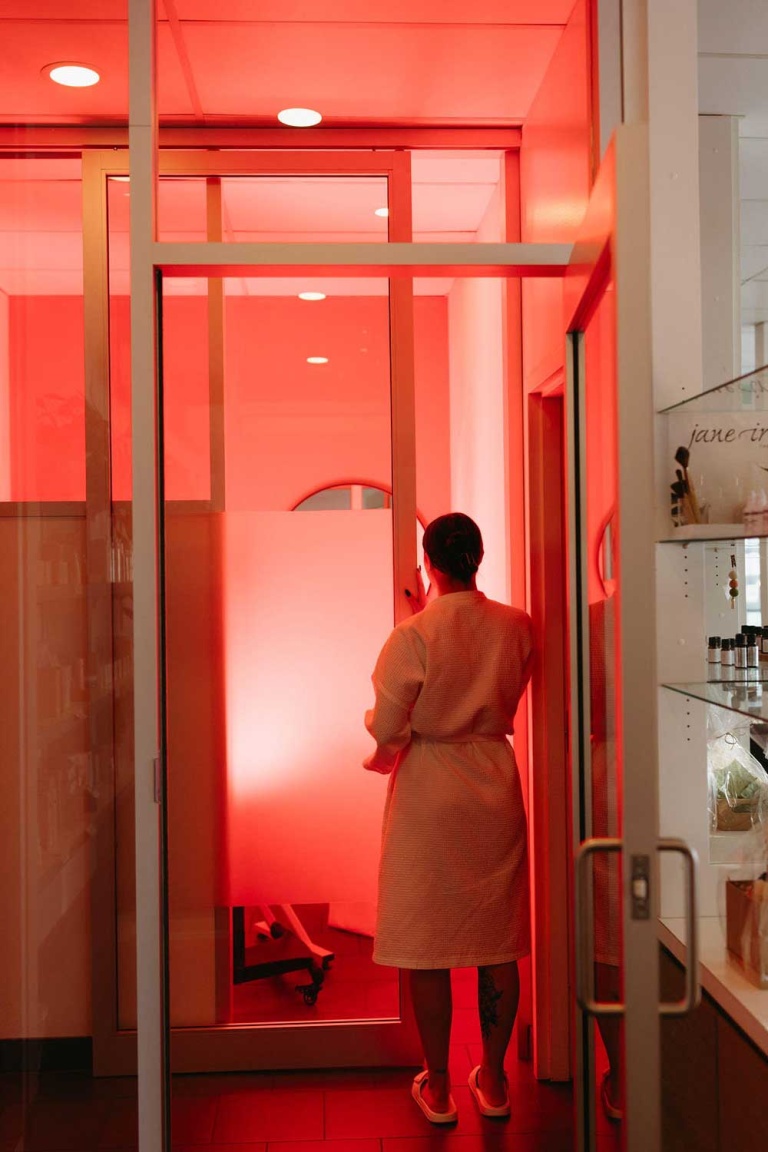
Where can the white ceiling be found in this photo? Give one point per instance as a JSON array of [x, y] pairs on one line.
[[733, 80]]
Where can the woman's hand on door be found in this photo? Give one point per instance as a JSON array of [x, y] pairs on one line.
[[417, 597]]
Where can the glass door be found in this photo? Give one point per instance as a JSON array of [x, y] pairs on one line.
[[612, 606], [286, 523], [598, 793], [282, 478]]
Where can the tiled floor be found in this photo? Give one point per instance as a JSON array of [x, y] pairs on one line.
[[341, 1111], [314, 1111]]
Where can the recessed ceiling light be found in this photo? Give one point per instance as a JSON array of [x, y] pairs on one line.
[[121, 179], [381, 211], [72, 75], [311, 295], [317, 359], [299, 117]]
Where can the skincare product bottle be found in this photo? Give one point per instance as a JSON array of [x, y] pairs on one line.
[[727, 654], [753, 653], [741, 651], [713, 650]]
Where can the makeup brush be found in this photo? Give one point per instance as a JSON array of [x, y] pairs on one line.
[[683, 458]]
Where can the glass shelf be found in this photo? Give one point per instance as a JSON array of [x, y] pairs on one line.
[[716, 443], [747, 698], [714, 533], [744, 393]]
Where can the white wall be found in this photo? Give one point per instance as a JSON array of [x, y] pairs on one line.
[[476, 371]]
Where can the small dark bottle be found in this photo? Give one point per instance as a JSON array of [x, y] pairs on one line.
[[713, 650], [764, 643], [741, 651], [727, 654], [753, 652]]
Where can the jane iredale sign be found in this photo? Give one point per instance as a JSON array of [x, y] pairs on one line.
[[726, 435]]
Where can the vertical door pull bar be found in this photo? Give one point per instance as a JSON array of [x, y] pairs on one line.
[[585, 963], [692, 985]]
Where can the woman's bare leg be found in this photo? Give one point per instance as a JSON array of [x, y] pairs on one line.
[[433, 1008], [498, 993]]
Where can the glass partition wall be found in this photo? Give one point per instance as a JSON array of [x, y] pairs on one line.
[[66, 577]]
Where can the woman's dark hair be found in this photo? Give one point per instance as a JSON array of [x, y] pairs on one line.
[[454, 546]]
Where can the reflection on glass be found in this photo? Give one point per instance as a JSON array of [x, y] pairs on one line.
[[603, 594], [273, 826], [56, 698]]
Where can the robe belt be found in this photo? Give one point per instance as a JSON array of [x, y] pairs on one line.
[[475, 737]]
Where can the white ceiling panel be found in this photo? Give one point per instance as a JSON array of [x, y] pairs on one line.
[[754, 222], [734, 86], [754, 260], [753, 168], [736, 26], [755, 295]]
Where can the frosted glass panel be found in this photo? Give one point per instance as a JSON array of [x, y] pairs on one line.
[[273, 622], [304, 819]]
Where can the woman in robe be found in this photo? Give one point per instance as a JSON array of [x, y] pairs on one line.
[[453, 881]]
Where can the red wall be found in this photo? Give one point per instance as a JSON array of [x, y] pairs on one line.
[[47, 404], [555, 175], [290, 427]]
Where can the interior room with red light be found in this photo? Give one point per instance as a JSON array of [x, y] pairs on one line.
[[281, 283]]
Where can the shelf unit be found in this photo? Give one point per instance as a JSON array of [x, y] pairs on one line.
[[726, 432]]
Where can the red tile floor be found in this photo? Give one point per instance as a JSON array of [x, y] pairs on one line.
[[312, 1111]]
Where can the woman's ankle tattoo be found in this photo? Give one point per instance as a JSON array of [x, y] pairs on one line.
[[489, 996]]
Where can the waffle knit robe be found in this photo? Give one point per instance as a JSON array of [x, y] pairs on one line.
[[453, 879]]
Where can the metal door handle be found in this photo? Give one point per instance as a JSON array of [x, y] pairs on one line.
[[585, 966], [692, 986]]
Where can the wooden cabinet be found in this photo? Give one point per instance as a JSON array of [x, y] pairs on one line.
[[714, 1080]]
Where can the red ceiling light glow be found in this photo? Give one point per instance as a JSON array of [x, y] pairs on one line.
[[299, 117], [317, 359], [72, 75]]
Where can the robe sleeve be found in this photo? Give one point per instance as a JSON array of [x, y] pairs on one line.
[[397, 680]]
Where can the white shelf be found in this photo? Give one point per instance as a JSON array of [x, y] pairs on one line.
[[687, 533]]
